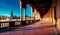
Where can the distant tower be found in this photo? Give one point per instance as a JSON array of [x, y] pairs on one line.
[[11, 13]]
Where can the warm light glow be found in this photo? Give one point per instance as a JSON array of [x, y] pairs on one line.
[[36, 14], [48, 19], [58, 22]]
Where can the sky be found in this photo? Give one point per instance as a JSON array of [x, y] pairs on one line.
[[7, 5]]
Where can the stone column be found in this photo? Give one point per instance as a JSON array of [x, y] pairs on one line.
[[24, 14], [58, 9], [31, 18], [20, 10], [58, 13], [34, 14]]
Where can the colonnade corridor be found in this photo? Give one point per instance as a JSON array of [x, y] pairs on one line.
[[43, 19]]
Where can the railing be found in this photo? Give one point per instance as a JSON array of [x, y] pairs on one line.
[[13, 23]]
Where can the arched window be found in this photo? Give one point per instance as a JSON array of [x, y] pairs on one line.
[[29, 10]]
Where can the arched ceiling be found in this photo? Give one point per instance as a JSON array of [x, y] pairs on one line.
[[41, 5]]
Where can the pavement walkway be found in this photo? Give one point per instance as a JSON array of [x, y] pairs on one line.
[[39, 28]]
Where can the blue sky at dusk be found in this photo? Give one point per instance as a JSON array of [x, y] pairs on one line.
[[7, 5]]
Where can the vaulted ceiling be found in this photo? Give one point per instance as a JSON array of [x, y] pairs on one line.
[[41, 5]]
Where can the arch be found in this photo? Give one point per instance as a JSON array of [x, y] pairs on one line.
[[29, 11]]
